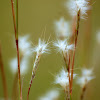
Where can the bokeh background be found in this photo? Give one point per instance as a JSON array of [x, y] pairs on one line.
[[34, 17]]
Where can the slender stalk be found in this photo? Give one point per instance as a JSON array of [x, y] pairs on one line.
[[30, 87], [19, 78], [73, 29], [69, 77], [77, 27], [17, 45], [66, 94], [83, 92], [69, 69], [3, 76], [67, 63], [65, 60], [33, 73], [76, 36], [15, 21]]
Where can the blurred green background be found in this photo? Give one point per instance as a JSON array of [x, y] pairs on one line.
[[34, 17]]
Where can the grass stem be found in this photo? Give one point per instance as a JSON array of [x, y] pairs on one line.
[[67, 63], [33, 73], [3, 76], [73, 60], [83, 92], [15, 21]]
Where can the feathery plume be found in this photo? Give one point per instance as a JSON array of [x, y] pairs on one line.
[[62, 28], [87, 75], [41, 48], [62, 45], [63, 79], [64, 49], [75, 5]]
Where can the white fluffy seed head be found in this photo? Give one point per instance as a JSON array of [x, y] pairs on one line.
[[75, 5], [63, 79], [87, 75], [62, 45], [50, 95], [24, 45], [62, 28], [41, 48], [23, 65]]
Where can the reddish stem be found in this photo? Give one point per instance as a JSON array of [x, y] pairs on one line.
[[69, 71], [69, 78], [76, 36], [19, 78], [3, 76], [30, 86], [83, 92], [15, 21]]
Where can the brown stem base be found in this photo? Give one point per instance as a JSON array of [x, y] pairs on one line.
[[83, 93]]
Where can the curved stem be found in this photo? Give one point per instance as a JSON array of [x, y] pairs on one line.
[[67, 63], [3, 76], [76, 36], [30, 87]]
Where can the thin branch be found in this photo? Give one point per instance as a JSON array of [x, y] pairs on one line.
[[69, 69], [33, 73], [19, 78], [67, 63], [13, 13], [15, 21], [65, 60], [69, 73], [3, 76], [83, 92], [76, 36], [69, 78], [30, 87]]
